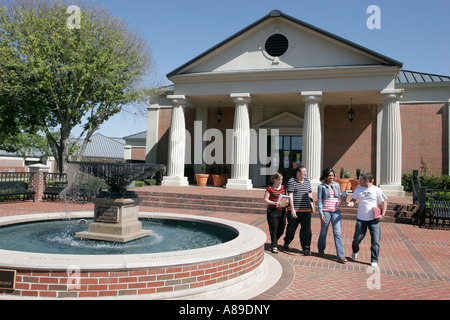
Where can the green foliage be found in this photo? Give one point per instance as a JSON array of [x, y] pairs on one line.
[[55, 78], [429, 182]]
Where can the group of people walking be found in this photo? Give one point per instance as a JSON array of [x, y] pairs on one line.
[[300, 205]]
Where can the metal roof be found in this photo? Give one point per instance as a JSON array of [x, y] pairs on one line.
[[140, 135], [104, 147], [406, 76]]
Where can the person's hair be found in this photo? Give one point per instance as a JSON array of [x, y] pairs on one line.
[[299, 168], [367, 176], [325, 174], [276, 176]]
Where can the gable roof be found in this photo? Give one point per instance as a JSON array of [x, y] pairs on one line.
[[276, 14]]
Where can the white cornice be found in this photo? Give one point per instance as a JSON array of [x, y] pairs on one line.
[[288, 74]]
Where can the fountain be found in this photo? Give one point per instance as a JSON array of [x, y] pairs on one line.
[[237, 264], [116, 210]]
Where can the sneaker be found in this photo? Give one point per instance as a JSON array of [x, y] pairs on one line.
[[274, 250], [354, 255], [374, 264], [286, 247]]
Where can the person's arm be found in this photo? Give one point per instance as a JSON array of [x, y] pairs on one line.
[[311, 200], [383, 210], [291, 203], [266, 199], [319, 199]]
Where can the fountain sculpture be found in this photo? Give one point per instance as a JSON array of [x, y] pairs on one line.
[[116, 210]]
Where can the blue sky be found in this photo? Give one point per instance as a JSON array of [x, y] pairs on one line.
[[414, 32]]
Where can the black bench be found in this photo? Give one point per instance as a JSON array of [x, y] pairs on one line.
[[439, 210], [16, 188], [52, 192]]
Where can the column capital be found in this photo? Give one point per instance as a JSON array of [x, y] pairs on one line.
[[395, 94], [312, 96], [177, 99], [241, 97]]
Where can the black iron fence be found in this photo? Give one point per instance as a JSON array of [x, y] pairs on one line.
[[434, 204], [16, 185]]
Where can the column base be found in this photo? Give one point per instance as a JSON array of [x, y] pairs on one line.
[[175, 181], [392, 190], [240, 184]]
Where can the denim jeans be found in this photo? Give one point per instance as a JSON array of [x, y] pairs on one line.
[[375, 234], [335, 219]]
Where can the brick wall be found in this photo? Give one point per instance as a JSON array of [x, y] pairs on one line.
[[54, 284], [425, 137], [351, 145], [163, 135], [138, 153]]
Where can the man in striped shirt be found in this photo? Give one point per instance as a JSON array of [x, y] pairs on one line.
[[299, 189]]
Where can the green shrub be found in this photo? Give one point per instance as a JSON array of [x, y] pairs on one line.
[[139, 184], [429, 182]]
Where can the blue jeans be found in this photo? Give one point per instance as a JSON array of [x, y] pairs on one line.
[[375, 234], [335, 219]]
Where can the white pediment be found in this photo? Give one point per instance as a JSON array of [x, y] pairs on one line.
[[280, 121], [308, 47]]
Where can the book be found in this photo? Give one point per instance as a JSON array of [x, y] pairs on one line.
[[376, 212], [283, 200]]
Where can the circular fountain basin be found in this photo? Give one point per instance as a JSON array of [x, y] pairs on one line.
[[211, 271]]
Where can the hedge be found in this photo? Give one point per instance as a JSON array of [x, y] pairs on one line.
[[429, 182]]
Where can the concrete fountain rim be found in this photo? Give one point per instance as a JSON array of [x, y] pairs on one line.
[[249, 238]]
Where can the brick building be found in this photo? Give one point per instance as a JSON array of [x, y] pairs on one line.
[[305, 95]]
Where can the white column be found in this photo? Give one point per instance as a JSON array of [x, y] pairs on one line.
[[241, 144], [177, 144], [312, 137], [391, 144]]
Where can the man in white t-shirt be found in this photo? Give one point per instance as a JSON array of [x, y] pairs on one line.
[[368, 197]]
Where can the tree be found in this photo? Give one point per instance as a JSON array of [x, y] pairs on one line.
[[54, 76]]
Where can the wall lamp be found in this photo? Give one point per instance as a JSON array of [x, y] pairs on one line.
[[219, 115], [351, 113]]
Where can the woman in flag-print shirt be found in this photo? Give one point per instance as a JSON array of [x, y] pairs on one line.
[[328, 197]]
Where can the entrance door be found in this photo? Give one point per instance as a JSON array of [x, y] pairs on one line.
[[290, 149]]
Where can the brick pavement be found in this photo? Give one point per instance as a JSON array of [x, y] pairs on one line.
[[413, 261]]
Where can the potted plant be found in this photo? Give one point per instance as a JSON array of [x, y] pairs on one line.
[[355, 182], [344, 181], [202, 178], [219, 178]]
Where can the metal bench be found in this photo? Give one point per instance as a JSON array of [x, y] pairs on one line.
[[439, 210], [16, 188], [53, 192]]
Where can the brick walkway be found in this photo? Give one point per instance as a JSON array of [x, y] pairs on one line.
[[413, 261]]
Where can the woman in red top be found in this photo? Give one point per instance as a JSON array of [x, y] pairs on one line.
[[276, 214]]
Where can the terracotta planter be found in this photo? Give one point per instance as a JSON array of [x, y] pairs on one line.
[[220, 180], [355, 184], [202, 179], [344, 184]]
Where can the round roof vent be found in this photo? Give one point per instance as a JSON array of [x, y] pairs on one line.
[[277, 45]]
